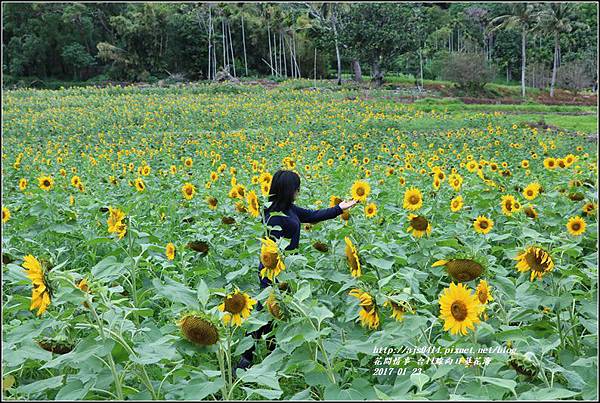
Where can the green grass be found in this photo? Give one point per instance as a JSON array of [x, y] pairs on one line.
[[579, 123], [456, 105]]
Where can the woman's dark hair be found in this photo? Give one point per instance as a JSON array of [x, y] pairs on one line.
[[283, 187]]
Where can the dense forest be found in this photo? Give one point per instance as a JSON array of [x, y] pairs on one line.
[[540, 45]]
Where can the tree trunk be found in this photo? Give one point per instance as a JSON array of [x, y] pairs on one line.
[[555, 64], [337, 47], [339, 62], [244, 44], [275, 56], [315, 69], [282, 48], [224, 46], [523, 61], [296, 58], [377, 74], [270, 50], [357, 71], [231, 47], [292, 67], [421, 68], [209, 74], [214, 49]]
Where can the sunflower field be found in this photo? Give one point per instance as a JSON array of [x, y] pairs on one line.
[[132, 236]]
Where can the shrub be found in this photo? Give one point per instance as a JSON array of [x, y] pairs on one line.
[[573, 76], [468, 71]]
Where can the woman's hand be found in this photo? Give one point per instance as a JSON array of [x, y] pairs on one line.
[[347, 204]]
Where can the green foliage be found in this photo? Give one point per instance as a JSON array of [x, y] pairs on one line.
[[151, 41], [76, 56], [470, 72]]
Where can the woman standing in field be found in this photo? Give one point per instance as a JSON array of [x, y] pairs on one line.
[[284, 190]]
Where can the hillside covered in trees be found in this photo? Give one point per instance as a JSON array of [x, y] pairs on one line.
[[542, 45]]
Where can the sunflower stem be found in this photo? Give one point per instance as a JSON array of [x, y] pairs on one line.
[[474, 337], [557, 312], [113, 368], [224, 391], [573, 324], [319, 343], [229, 371], [144, 375]]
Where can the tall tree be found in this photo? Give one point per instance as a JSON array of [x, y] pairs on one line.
[[328, 17], [377, 33], [523, 17], [556, 20]]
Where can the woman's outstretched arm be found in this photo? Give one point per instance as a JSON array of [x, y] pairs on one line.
[[312, 216]]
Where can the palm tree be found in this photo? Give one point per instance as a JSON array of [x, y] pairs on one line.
[[522, 16], [556, 19]]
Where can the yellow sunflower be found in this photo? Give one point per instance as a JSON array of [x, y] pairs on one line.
[[115, 222], [509, 205], [589, 208], [140, 186], [483, 292], [240, 207], [398, 308], [212, 203], [352, 257], [334, 201], [237, 306], [170, 251], [253, 204], [369, 317], [188, 190], [240, 190], [40, 296], [459, 308], [576, 226], [413, 199], [455, 181], [456, 204], [535, 259], [46, 182], [472, 166], [483, 225], [83, 285], [360, 190], [531, 191], [265, 188], [419, 225], [233, 193], [271, 259], [265, 177], [550, 163], [188, 162], [5, 214], [22, 184], [371, 210], [75, 180], [530, 212]]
